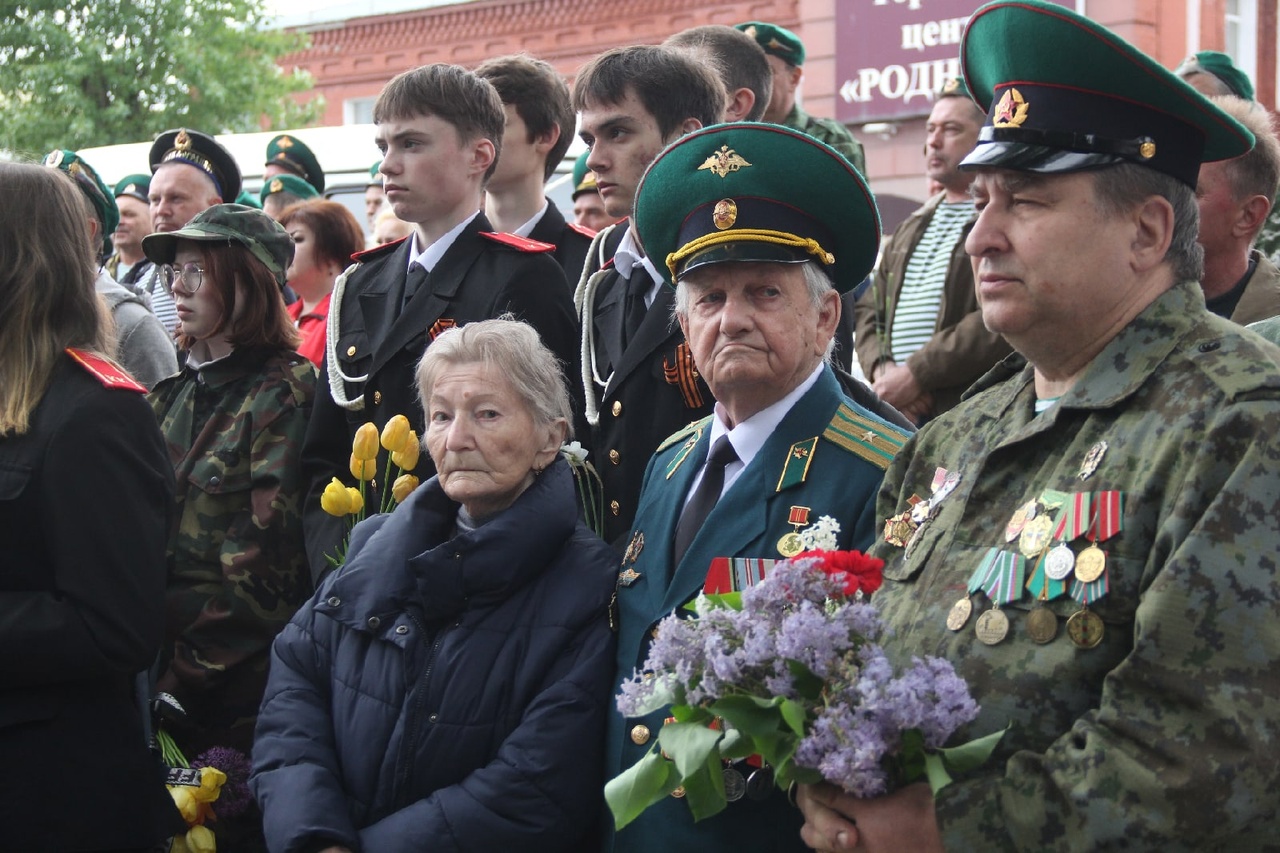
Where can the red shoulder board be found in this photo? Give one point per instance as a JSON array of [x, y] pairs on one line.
[[367, 254], [523, 244], [583, 230], [106, 371]]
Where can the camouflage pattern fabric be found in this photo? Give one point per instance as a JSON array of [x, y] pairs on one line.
[[1268, 242], [1162, 736], [237, 567], [831, 132]]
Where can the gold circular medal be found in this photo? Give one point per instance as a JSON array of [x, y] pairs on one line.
[[1035, 536], [678, 793], [1042, 625], [992, 627], [1090, 564], [790, 545], [1085, 629], [1060, 562], [960, 612]]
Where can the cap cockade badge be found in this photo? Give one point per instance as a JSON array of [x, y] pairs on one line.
[[1012, 109], [724, 161]]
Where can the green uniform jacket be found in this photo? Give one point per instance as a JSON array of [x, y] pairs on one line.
[[844, 467], [829, 131], [1163, 736], [237, 567]]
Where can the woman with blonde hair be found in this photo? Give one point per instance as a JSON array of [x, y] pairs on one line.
[[85, 495]]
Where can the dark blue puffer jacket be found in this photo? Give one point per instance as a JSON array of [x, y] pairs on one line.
[[445, 695]]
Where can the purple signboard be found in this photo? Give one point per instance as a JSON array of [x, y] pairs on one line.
[[893, 55]]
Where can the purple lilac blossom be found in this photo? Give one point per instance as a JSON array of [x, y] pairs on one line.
[[234, 796]]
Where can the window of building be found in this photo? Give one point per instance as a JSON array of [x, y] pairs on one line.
[[357, 111], [1241, 32]]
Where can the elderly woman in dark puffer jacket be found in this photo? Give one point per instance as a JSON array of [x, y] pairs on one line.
[[447, 688]]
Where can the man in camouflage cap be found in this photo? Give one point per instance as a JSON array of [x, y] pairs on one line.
[[1090, 537], [785, 53]]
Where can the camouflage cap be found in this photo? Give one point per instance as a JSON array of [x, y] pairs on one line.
[[1219, 65], [201, 151], [98, 193], [286, 184], [584, 180], [134, 186], [747, 191], [292, 153], [776, 41], [229, 223]]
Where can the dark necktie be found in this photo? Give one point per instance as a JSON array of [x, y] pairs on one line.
[[634, 308], [704, 497], [417, 275]]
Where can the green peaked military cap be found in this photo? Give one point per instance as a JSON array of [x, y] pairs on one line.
[[584, 180], [293, 154], [98, 193], [228, 223], [134, 186], [1093, 100], [748, 191], [286, 184], [777, 41], [201, 151], [1219, 65]]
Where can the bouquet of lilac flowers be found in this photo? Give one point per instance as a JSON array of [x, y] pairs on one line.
[[791, 671]]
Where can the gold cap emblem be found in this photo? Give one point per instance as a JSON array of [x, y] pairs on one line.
[[285, 142], [725, 213], [1011, 111], [54, 158], [723, 162], [182, 142], [132, 188], [277, 186], [751, 31], [1147, 149]]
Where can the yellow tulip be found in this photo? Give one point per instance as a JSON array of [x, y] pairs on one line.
[[395, 433], [200, 839], [184, 799], [356, 499], [333, 499], [179, 845], [365, 444], [211, 782], [407, 458], [363, 469], [403, 487]]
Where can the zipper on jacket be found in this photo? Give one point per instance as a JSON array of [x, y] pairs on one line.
[[407, 748]]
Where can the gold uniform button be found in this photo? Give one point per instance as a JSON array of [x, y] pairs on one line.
[[640, 735], [614, 456], [351, 351], [615, 507], [678, 793], [617, 408], [377, 398]]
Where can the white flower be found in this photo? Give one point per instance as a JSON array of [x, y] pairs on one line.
[[822, 535], [575, 452]]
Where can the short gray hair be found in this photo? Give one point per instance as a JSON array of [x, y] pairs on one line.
[[513, 349], [1119, 189], [1258, 171]]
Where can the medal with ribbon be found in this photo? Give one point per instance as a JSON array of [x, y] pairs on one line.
[[1071, 526], [1085, 627], [1003, 583], [1107, 521]]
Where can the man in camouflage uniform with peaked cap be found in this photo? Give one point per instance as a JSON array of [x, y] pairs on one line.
[[1090, 537]]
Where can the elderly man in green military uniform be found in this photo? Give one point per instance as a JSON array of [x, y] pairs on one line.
[[785, 53], [1103, 569], [761, 227]]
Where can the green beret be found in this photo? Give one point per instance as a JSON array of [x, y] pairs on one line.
[[286, 184], [248, 199], [584, 180], [292, 153], [375, 179], [98, 193], [748, 191], [1219, 65], [134, 186], [201, 151], [1094, 100], [228, 223], [954, 87], [776, 41]]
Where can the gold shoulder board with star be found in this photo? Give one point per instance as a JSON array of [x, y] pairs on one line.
[[687, 429], [872, 440]]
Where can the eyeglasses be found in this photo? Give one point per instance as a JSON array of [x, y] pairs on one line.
[[191, 275]]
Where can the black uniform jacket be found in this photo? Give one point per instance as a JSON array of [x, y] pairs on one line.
[[571, 241]]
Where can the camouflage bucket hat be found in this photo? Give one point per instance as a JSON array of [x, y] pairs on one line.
[[229, 223]]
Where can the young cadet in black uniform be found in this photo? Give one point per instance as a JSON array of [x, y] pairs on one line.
[[538, 132], [637, 373], [440, 130]]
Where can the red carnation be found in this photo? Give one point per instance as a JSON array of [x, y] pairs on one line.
[[861, 573]]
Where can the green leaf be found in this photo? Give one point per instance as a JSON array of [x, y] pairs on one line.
[[735, 744], [794, 715], [935, 768], [663, 693], [689, 745], [808, 685], [691, 714], [967, 756], [638, 787], [704, 790], [754, 716]]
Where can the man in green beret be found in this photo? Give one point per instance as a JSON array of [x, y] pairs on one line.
[[282, 191], [1102, 570], [760, 228], [142, 345], [128, 265], [289, 155], [588, 207], [918, 331], [786, 54]]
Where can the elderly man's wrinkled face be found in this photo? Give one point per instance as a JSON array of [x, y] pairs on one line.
[[754, 331], [483, 439]]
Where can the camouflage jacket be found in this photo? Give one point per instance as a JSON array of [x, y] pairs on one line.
[[829, 131], [1268, 242], [1162, 736], [237, 568]]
